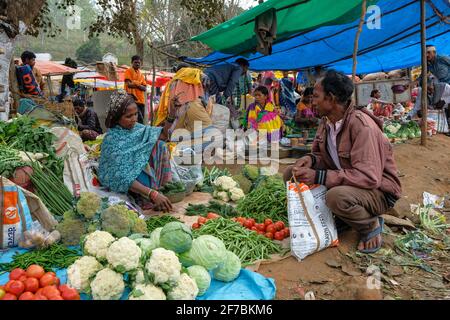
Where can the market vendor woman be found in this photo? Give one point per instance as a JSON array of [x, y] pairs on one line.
[[133, 157], [262, 116]]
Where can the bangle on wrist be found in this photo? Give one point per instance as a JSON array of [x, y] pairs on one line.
[[153, 195]]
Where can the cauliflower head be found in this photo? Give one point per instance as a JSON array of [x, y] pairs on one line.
[[185, 289], [115, 220], [89, 204], [147, 292], [244, 183], [225, 183], [81, 271], [164, 266], [71, 229], [96, 244], [139, 277], [236, 194], [124, 255], [107, 285], [221, 195]]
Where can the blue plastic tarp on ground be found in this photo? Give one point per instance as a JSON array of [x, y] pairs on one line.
[[396, 44], [248, 286]]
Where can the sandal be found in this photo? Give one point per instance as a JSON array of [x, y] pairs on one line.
[[372, 235]]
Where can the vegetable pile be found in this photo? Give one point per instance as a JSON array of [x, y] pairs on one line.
[[23, 134], [269, 229], [209, 176], [227, 189], [159, 222], [36, 284], [54, 257], [402, 131], [173, 188], [224, 210], [247, 245], [267, 200]]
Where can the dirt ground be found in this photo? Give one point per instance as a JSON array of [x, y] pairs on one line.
[[342, 273]]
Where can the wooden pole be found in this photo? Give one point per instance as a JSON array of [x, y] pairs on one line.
[[153, 86], [358, 34], [424, 73]]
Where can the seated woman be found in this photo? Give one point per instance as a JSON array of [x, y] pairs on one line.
[[262, 115], [87, 119], [133, 157], [379, 107], [306, 116]]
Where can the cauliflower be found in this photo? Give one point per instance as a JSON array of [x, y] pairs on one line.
[[185, 289], [221, 195], [164, 266], [71, 229], [89, 204], [236, 194], [139, 277], [115, 220], [80, 272], [96, 244], [147, 292], [138, 225], [225, 183], [124, 255], [107, 285], [244, 183]]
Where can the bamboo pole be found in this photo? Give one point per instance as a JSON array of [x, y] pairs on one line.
[[424, 101], [152, 94], [358, 34]]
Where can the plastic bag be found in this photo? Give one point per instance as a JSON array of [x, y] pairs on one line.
[[15, 217], [189, 174], [311, 222], [38, 237]]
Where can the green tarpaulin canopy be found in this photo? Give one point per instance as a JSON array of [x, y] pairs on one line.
[[237, 35]]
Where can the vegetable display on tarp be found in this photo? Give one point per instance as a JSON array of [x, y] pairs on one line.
[[248, 245], [227, 189], [209, 176], [267, 200], [213, 206], [23, 134]]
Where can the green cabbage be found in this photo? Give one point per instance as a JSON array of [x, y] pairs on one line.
[[229, 270], [176, 236], [201, 277], [186, 259], [155, 237], [208, 251]]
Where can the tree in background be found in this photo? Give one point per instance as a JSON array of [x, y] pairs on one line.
[[90, 51]]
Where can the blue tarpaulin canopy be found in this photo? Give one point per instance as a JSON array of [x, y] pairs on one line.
[[396, 44]]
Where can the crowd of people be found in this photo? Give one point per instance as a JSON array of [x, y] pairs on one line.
[[350, 155]]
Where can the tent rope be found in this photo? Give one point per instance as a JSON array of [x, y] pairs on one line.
[[445, 19]]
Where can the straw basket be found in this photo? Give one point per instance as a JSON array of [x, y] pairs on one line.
[[65, 107]]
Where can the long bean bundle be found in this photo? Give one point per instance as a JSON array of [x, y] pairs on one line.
[[51, 190], [57, 256], [267, 200], [247, 245]]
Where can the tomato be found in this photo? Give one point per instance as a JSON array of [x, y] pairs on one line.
[[26, 296], [35, 271], [32, 285], [201, 220], [56, 297], [248, 224], [241, 219], [9, 296], [50, 291], [15, 287], [47, 279], [70, 294], [269, 235], [287, 232], [260, 227], [2, 293], [254, 229], [279, 236], [39, 296], [279, 225], [195, 226], [212, 215], [271, 229], [268, 222], [57, 282], [23, 279], [261, 232], [252, 221], [16, 274]]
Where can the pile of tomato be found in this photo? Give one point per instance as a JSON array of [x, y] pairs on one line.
[[269, 229], [36, 284], [202, 220]]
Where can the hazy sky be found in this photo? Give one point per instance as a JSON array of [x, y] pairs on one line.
[[249, 3]]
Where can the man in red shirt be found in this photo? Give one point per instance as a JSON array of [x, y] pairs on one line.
[[136, 85]]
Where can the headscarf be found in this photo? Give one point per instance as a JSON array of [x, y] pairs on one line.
[[125, 152]]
